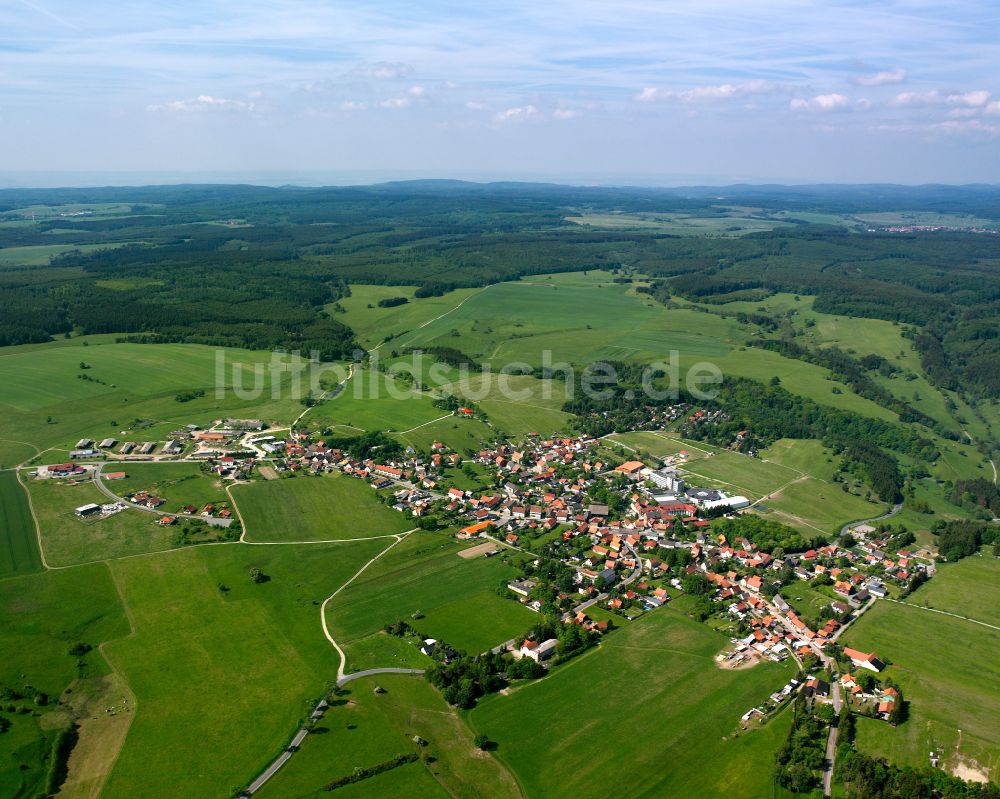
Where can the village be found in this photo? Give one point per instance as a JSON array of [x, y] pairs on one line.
[[608, 539]]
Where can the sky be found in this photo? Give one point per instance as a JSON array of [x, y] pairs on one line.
[[645, 92]]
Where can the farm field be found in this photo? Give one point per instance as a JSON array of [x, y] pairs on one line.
[[41, 617], [947, 671], [69, 540], [220, 664], [18, 540], [178, 483], [802, 455], [462, 435], [751, 477], [500, 620], [13, 453], [970, 587], [423, 574], [372, 325], [41, 254], [314, 508], [659, 677], [518, 418], [44, 403], [661, 445], [818, 507], [364, 728], [373, 401]]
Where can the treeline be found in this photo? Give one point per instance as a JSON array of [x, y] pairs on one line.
[[769, 412], [853, 372], [959, 539], [980, 492], [877, 468], [371, 444], [869, 778], [241, 264], [449, 355], [767, 535], [799, 761]]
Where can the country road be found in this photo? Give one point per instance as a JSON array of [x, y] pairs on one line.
[[895, 509], [212, 520]]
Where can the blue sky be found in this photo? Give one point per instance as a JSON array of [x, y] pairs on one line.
[[633, 91]]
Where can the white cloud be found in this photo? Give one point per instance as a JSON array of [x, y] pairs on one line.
[[417, 91], [517, 113], [382, 70], [970, 99], [993, 109], [862, 104], [395, 102], [723, 91], [882, 78], [821, 102], [203, 102], [353, 105], [475, 105], [565, 113]]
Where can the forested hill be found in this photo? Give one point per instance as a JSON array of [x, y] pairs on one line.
[[259, 267]]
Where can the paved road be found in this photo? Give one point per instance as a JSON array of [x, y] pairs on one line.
[[283, 758], [317, 714], [895, 509], [370, 672], [211, 520], [831, 741]]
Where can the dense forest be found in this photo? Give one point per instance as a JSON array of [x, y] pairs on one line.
[[258, 267]]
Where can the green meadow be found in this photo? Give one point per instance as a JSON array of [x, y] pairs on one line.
[[178, 483], [654, 688], [315, 508], [372, 400], [18, 540], [70, 540], [424, 575], [44, 402], [363, 728], [41, 254], [461, 435], [948, 672], [970, 587], [223, 669], [43, 616]]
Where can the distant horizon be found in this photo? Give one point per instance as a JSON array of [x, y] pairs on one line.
[[40, 180]]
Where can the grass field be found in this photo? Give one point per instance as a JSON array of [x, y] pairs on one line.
[[222, 677], [462, 435], [315, 508], [366, 728], [41, 617], [814, 506], [44, 404], [654, 689], [373, 401], [500, 619], [802, 455], [425, 574], [970, 587], [18, 541], [68, 539], [13, 453], [178, 483], [41, 254], [949, 673], [731, 223]]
